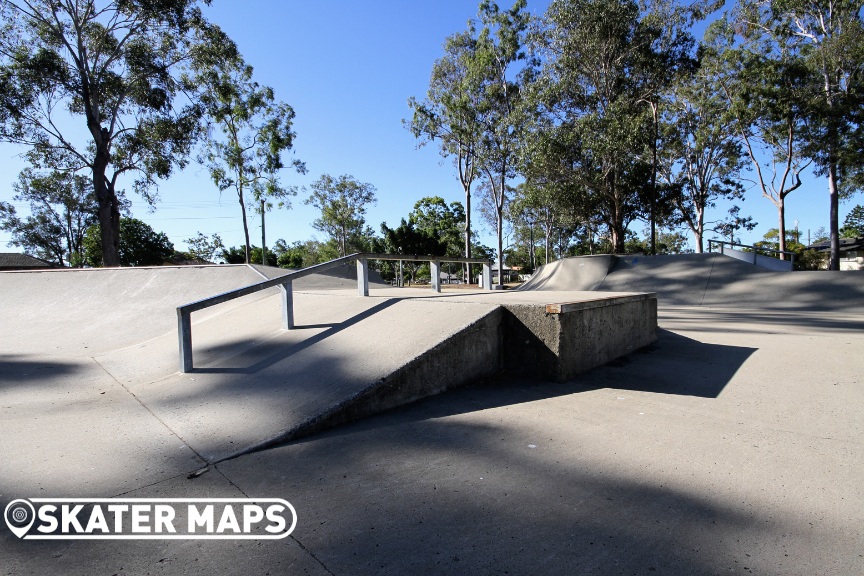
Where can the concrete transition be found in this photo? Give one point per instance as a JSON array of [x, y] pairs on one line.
[[255, 385], [731, 446], [710, 280]]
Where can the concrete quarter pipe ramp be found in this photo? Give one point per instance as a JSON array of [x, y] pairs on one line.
[[711, 280]]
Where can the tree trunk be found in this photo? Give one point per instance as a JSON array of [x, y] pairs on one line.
[[834, 260], [699, 232], [263, 238], [781, 213], [467, 232], [616, 230], [109, 209], [245, 224], [500, 218], [654, 181]]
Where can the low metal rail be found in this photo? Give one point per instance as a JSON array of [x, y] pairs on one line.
[[184, 312]]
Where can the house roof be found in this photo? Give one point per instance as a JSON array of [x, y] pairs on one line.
[[15, 261], [846, 244]]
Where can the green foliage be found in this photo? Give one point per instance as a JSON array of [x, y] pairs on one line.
[[853, 225], [203, 247], [62, 207], [254, 132], [598, 74], [342, 202], [804, 259], [237, 255], [444, 222], [116, 69], [140, 245], [734, 222]]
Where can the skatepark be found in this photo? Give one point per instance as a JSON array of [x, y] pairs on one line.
[[711, 424]]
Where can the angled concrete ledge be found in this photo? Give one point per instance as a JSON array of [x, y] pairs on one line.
[[557, 342]]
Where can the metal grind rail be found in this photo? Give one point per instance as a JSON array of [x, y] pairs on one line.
[[184, 312]]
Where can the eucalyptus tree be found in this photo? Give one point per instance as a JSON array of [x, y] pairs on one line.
[[826, 38], [704, 156], [62, 207], [498, 53], [104, 81], [591, 51], [342, 202], [666, 62], [248, 134], [767, 96], [450, 114]]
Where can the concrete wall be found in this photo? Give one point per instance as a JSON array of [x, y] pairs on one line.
[[559, 342]]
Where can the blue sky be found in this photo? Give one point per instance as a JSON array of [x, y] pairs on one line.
[[348, 68]]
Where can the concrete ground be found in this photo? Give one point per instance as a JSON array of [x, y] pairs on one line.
[[731, 446]]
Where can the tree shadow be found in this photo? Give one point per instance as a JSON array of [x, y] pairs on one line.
[[261, 356], [471, 497], [20, 369]]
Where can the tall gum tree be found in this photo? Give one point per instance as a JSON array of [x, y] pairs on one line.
[[342, 202], [827, 38], [116, 68], [591, 50], [499, 51], [704, 155], [249, 133], [765, 90], [450, 115]]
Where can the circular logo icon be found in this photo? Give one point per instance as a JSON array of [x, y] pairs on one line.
[[19, 516]]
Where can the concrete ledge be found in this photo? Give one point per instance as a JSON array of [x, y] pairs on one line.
[[599, 302], [557, 342]]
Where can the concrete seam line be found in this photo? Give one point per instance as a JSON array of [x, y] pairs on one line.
[[708, 281], [302, 547], [258, 272], [167, 427]]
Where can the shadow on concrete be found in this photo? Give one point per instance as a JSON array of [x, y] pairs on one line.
[[673, 365], [18, 369], [270, 353], [471, 497], [759, 321]]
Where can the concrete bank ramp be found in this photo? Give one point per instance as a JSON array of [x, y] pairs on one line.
[[586, 273], [254, 384], [99, 334], [79, 311], [711, 280]]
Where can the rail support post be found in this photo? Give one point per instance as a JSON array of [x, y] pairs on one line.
[[435, 270], [487, 276], [363, 276], [287, 305], [184, 329]]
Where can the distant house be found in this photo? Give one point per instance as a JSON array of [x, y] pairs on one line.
[[851, 252], [15, 261]]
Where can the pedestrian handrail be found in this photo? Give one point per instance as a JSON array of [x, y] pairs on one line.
[[284, 282]]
